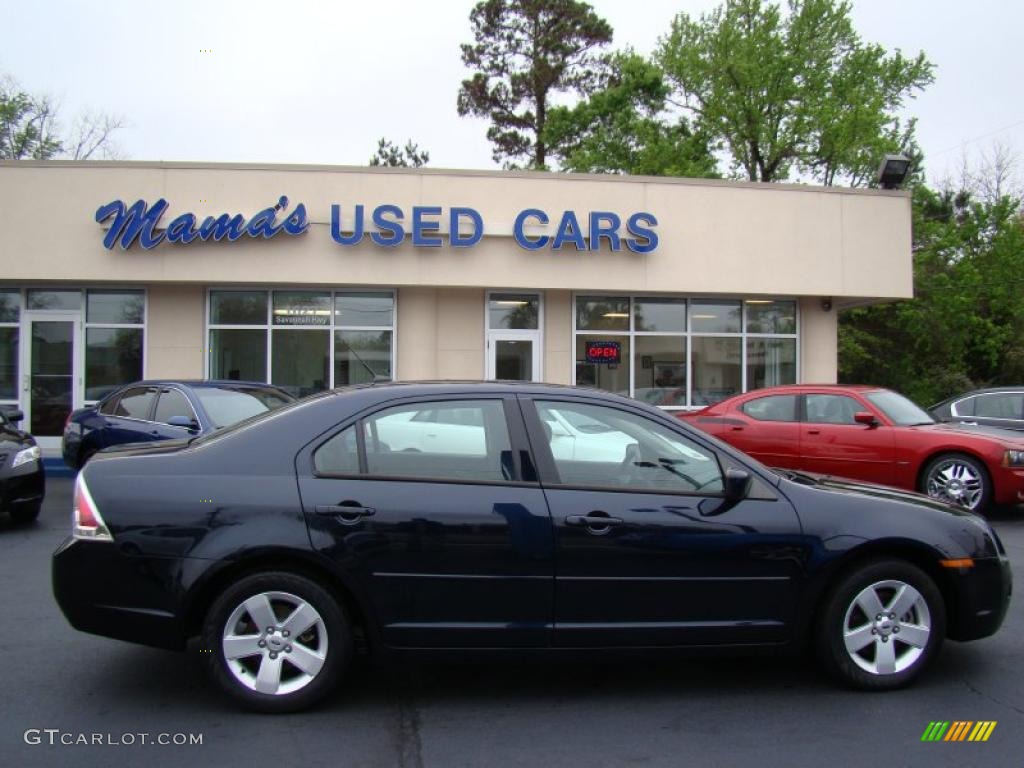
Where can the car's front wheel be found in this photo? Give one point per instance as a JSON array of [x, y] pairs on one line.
[[881, 625], [276, 642], [958, 479]]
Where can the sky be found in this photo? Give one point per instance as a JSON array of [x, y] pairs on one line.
[[307, 81]]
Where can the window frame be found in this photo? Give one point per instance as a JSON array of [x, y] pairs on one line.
[[268, 326], [688, 335]]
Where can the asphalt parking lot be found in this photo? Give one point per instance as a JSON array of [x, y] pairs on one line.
[[722, 712]]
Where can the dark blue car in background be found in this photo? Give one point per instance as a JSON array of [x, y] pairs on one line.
[[147, 411]]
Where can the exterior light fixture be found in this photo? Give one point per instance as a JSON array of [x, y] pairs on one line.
[[893, 171]]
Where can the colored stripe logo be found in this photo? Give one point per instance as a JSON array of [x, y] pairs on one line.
[[958, 730]]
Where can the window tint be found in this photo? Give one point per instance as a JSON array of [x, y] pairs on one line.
[[339, 455], [1001, 406], [773, 408], [229, 406], [596, 445], [135, 403], [832, 409], [172, 403], [456, 440], [964, 408], [110, 406]]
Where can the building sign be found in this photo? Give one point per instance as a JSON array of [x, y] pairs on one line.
[[603, 352], [385, 225]]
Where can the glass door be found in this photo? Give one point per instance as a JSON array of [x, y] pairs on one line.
[[512, 357], [514, 321], [51, 378]]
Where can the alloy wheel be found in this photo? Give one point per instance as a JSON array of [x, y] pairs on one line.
[[886, 627], [955, 481], [275, 643]]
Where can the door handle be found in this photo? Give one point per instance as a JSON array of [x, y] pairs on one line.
[[737, 429], [813, 431], [347, 511], [594, 520]]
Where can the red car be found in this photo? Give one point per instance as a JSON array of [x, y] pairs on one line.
[[874, 435]]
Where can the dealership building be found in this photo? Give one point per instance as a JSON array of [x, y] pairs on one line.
[[677, 292]]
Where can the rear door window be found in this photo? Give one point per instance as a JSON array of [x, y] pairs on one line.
[[136, 403], [771, 408], [1004, 405]]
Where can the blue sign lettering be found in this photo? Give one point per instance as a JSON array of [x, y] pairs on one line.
[[141, 222]]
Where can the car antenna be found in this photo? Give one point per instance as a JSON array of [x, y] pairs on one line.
[[375, 378]]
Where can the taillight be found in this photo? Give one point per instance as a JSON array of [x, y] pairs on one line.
[[67, 421], [87, 522]]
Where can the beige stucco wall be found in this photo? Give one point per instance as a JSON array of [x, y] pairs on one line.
[[818, 342], [175, 347], [558, 344], [715, 237]]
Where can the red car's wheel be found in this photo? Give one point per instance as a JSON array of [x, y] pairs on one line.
[[958, 479]]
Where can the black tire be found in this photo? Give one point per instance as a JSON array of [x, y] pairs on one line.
[[26, 514], [833, 621], [335, 623], [984, 501]]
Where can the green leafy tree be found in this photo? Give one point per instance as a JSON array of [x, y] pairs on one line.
[[524, 53], [965, 326], [796, 91], [410, 156], [625, 127], [30, 129]]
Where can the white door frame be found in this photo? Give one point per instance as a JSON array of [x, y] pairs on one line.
[[534, 335], [49, 444], [495, 336]]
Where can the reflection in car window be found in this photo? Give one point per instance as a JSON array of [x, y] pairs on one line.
[[110, 406], [898, 409], [458, 440], [832, 409], [613, 448], [135, 403], [229, 406], [772, 408], [172, 403], [339, 455]]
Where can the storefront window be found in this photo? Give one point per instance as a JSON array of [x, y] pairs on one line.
[[115, 307], [315, 340], [595, 367], [238, 354], [10, 313], [602, 313], [513, 311], [301, 361], [8, 363], [359, 356], [767, 316], [113, 340], [56, 300], [685, 352], [770, 362], [238, 307], [660, 365], [113, 356]]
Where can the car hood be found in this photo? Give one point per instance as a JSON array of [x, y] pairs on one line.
[[853, 487], [1011, 437]]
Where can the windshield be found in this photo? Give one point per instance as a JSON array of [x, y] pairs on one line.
[[229, 406], [900, 411]]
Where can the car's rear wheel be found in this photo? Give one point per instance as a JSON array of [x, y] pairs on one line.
[[958, 479], [276, 642], [881, 625]]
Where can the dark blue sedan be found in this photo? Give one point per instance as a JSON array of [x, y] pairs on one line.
[[147, 411]]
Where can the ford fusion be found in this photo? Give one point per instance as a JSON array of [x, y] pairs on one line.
[[480, 520]]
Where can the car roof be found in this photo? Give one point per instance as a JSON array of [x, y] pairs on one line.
[[198, 383], [466, 386], [799, 387]]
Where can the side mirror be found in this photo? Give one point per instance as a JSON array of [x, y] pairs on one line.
[[865, 418], [182, 421], [737, 484], [14, 416]]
